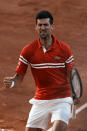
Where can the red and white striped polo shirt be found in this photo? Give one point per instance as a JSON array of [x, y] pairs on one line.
[[50, 68]]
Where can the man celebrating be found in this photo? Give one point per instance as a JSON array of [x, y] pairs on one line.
[[50, 61]]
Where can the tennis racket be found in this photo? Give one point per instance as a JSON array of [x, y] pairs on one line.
[[76, 85]]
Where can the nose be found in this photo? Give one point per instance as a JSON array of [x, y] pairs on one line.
[[42, 27]]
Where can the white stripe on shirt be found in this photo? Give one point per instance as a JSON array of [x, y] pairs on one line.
[[46, 65], [70, 59], [23, 61]]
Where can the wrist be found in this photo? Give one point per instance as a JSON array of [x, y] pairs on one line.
[[12, 84]]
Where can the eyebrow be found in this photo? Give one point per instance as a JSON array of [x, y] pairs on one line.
[[43, 24]]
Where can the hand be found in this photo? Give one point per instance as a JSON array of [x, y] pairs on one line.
[[76, 101], [8, 81]]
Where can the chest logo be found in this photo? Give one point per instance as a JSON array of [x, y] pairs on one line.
[[57, 57]]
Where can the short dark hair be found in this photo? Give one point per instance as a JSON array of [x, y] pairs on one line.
[[44, 14]]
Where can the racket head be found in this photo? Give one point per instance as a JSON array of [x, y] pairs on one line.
[[76, 83]]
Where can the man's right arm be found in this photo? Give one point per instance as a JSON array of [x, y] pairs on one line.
[[20, 70], [16, 79]]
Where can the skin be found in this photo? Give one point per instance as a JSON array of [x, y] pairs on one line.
[[44, 30], [16, 78]]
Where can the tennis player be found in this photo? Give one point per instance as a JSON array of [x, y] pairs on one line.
[[50, 60]]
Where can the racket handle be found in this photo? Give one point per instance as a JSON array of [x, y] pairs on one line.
[[73, 111]]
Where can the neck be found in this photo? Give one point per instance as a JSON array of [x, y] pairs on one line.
[[47, 43]]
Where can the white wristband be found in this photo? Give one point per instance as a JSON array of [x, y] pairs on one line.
[[12, 85]]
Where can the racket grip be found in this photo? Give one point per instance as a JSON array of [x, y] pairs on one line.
[[73, 111]]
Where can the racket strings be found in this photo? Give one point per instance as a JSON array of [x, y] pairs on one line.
[[76, 84]]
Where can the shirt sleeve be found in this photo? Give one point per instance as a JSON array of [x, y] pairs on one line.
[[69, 59], [22, 63]]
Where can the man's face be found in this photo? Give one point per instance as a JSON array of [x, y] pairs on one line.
[[44, 28]]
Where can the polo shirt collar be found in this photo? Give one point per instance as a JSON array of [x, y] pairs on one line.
[[53, 46]]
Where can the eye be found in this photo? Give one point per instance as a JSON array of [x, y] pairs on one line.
[[45, 24], [40, 25]]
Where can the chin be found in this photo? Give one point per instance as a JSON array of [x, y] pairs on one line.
[[43, 36]]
